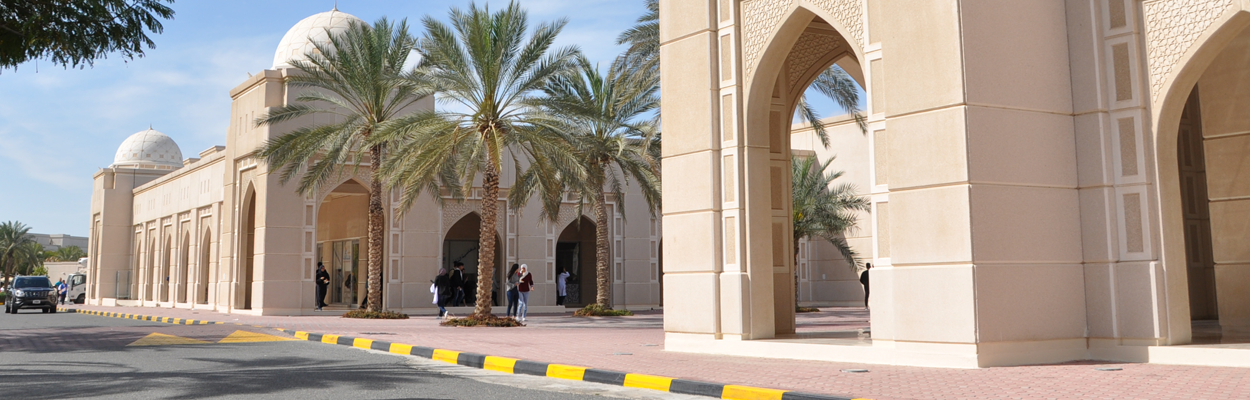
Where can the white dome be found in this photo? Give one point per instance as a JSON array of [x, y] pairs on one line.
[[150, 149], [299, 40]]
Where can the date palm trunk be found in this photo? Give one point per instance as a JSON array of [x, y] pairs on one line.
[[377, 221], [486, 239], [601, 251]]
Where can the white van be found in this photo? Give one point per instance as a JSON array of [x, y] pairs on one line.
[[77, 284]]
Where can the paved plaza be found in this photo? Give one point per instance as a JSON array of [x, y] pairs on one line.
[[635, 345]]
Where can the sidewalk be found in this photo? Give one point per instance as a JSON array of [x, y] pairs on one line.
[[635, 344]]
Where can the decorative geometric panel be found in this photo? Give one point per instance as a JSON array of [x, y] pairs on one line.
[[763, 17], [1172, 27], [811, 48], [1133, 223]]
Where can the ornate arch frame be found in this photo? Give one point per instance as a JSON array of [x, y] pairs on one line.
[[1170, 96]]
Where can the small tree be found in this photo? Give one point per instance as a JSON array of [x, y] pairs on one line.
[[67, 253], [74, 33], [14, 236], [822, 209]]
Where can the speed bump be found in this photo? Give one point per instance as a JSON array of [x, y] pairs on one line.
[[161, 339], [251, 337]]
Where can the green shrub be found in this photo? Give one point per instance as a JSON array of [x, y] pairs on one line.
[[806, 309], [492, 321], [595, 310], [365, 314]]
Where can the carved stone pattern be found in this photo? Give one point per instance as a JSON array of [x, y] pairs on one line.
[[810, 48], [849, 13], [453, 211], [1172, 27], [760, 18]]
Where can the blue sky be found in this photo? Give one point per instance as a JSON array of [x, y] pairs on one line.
[[59, 126]]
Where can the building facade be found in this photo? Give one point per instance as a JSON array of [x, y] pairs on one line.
[[1050, 180], [220, 232]]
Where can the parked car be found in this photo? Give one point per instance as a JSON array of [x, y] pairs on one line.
[[30, 292]]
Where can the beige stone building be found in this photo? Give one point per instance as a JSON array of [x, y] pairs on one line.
[[1051, 180], [218, 231]]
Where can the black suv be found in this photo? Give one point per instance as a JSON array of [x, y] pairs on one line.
[[30, 292]]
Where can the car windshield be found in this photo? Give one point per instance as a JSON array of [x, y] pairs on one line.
[[32, 282]]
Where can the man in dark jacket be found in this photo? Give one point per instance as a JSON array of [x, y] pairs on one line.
[[457, 283], [863, 279], [323, 283]]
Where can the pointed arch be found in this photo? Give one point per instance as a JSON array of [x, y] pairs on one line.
[[1179, 127], [202, 266], [247, 253], [184, 268]]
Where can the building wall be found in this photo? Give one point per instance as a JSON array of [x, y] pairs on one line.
[[209, 197]]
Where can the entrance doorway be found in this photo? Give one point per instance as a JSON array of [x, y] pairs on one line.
[[342, 242], [462, 243], [248, 250], [1213, 161], [575, 253]]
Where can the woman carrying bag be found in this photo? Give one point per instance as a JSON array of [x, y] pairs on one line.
[[514, 278]]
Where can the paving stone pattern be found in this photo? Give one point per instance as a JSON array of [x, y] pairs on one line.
[[635, 345]]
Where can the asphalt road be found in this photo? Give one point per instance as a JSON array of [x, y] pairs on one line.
[[66, 355]]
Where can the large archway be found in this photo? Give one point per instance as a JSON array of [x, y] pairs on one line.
[[247, 250], [575, 253], [1205, 189], [804, 47], [342, 241], [461, 244], [203, 268]]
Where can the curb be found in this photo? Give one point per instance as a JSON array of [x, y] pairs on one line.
[[517, 366]]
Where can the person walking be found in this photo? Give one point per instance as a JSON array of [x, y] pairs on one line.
[[514, 278], [863, 279], [457, 283], [323, 283], [523, 290], [561, 286], [442, 291], [61, 290]]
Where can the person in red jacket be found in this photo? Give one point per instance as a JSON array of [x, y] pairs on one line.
[[523, 288]]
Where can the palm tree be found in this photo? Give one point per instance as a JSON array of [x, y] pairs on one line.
[[14, 236], [491, 70], [357, 78], [604, 118], [67, 253], [643, 40], [822, 209], [28, 259]]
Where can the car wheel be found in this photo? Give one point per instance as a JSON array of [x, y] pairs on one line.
[[52, 309], [82, 299], [46, 310]]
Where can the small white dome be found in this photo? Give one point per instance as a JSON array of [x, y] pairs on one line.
[[148, 149], [299, 40]]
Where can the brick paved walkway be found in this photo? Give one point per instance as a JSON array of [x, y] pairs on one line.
[[635, 344]]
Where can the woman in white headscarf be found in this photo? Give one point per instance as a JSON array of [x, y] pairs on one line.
[[523, 288]]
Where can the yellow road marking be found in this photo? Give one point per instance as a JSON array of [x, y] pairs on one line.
[[750, 393], [566, 372], [251, 337], [362, 343], [331, 339], [648, 382], [161, 339], [446, 356], [301, 335], [500, 364]]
